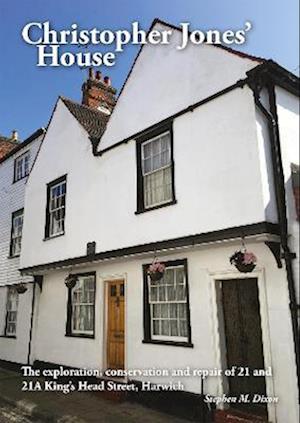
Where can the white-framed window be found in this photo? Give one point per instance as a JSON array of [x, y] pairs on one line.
[[83, 306], [55, 224], [22, 166], [169, 306], [157, 170], [16, 233], [11, 312]]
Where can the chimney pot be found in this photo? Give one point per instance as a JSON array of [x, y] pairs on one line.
[[14, 135], [98, 75], [91, 73], [107, 80]]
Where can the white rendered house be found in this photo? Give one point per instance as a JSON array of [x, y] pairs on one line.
[[193, 159]]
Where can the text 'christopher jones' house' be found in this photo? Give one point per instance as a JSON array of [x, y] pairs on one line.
[[200, 152]]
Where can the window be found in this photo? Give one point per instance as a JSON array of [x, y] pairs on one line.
[[21, 166], [16, 233], [56, 204], [167, 316], [81, 307], [155, 170], [11, 312]]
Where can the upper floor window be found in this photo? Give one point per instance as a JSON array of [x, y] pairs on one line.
[[167, 315], [21, 168], [155, 170], [11, 312], [81, 307], [56, 204], [16, 233]]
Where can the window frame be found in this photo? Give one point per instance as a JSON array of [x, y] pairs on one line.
[[166, 340], [6, 334], [149, 136], [13, 216], [69, 330], [50, 185], [17, 159]]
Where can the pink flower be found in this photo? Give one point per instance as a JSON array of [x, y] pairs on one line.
[[156, 267], [249, 258]]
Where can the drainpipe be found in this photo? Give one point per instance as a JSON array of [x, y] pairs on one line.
[[31, 323], [280, 195]]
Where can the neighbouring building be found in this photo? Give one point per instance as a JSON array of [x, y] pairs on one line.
[[195, 160], [8, 144], [15, 310]]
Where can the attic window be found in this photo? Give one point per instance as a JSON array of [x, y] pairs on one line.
[[21, 167]]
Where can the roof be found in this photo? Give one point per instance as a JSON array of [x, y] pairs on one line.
[[20, 145], [6, 145], [92, 120]]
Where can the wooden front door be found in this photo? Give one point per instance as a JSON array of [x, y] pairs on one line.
[[116, 324], [243, 337]]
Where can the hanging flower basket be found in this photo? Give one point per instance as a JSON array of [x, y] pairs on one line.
[[244, 261], [21, 288], [156, 271], [70, 281]]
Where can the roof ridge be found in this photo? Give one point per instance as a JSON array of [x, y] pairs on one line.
[[76, 103], [92, 120]]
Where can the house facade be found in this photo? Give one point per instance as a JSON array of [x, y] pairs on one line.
[[15, 309], [182, 170]]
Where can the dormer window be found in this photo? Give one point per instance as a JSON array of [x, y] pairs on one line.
[[21, 168], [155, 170], [56, 205]]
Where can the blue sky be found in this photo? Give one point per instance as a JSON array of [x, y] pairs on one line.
[[28, 93]]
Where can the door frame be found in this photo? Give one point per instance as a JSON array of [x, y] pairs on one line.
[[218, 329], [106, 280]]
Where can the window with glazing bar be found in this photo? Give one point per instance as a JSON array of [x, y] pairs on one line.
[[81, 307], [11, 312], [56, 207], [16, 233], [155, 170], [21, 167], [167, 305]]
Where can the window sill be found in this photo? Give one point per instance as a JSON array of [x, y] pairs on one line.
[[159, 206], [12, 257], [171, 343], [79, 335], [8, 336], [47, 238]]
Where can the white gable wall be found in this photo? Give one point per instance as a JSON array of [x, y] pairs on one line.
[[165, 80], [217, 183]]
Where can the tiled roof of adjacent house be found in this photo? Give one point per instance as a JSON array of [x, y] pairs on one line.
[[6, 145], [92, 120], [17, 146]]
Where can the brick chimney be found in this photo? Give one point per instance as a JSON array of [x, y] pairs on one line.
[[98, 93]]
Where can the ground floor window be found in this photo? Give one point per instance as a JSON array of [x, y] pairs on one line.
[[81, 306], [166, 305], [11, 312]]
